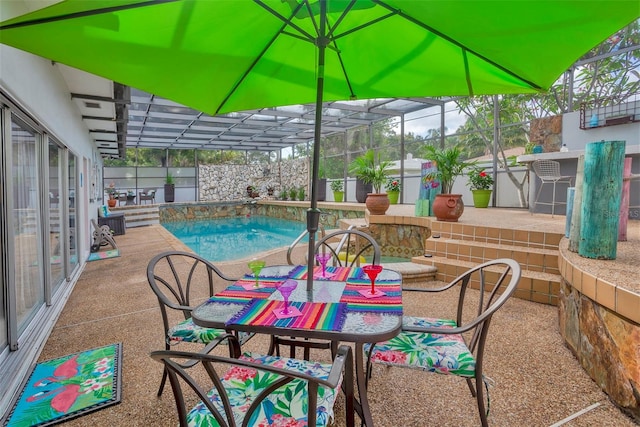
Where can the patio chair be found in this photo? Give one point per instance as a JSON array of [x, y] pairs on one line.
[[121, 197], [256, 389], [147, 194], [347, 248], [102, 236], [454, 345], [181, 280], [549, 173]]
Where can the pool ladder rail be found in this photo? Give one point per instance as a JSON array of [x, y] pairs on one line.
[[298, 239]]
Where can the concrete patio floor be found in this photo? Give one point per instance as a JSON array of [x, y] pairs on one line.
[[536, 379]]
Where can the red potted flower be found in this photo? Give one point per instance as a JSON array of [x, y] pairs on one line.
[[481, 184], [393, 190]]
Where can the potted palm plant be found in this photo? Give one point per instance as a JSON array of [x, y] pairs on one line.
[[322, 184], [358, 164], [371, 172], [169, 188], [449, 165]]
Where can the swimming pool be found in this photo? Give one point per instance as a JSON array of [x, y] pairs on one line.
[[226, 239]]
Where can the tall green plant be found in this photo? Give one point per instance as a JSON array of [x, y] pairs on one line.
[[448, 163], [169, 179], [364, 167]]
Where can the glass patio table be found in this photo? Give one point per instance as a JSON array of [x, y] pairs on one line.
[[341, 300]]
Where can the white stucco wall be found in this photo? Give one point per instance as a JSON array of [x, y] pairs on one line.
[[36, 86], [577, 139]]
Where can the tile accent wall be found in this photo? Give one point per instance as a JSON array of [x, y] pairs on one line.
[[600, 323]]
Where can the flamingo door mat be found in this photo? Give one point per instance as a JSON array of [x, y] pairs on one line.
[[68, 387], [95, 256]]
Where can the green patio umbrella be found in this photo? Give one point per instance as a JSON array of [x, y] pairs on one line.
[[221, 56]]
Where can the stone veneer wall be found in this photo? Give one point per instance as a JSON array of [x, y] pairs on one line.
[[295, 211], [230, 182], [197, 211], [298, 212], [605, 342], [398, 236], [547, 132]]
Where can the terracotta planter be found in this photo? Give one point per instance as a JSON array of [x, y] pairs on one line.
[[481, 198], [377, 203], [448, 207], [112, 202]]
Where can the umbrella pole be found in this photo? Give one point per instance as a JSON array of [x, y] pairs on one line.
[[313, 214]]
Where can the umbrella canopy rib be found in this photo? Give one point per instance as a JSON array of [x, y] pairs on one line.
[[84, 13], [251, 67], [464, 48]]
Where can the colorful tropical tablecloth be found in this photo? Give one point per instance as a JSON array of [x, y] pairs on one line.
[[313, 315], [246, 287], [337, 274], [327, 312], [356, 294]]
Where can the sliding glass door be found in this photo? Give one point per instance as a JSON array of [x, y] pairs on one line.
[[73, 214], [56, 214], [27, 256]]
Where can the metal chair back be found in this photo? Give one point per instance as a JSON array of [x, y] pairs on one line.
[[351, 249], [180, 281], [547, 170], [496, 281], [216, 381]]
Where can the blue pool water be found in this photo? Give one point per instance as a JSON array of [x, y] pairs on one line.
[[226, 239]]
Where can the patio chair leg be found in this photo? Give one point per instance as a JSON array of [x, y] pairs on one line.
[[472, 388], [535, 202], [369, 367], [553, 200], [272, 346], [162, 383], [481, 408]]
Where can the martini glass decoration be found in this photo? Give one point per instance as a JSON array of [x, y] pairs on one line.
[[256, 267], [372, 271], [323, 259], [286, 288]]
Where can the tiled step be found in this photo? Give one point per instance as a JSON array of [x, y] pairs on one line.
[[496, 235], [140, 215], [141, 223], [413, 272], [534, 285], [534, 259]]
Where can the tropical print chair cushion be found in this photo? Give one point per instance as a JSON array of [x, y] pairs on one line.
[[187, 331], [444, 354], [286, 406]]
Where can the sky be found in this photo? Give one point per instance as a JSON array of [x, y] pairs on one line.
[[421, 121]]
